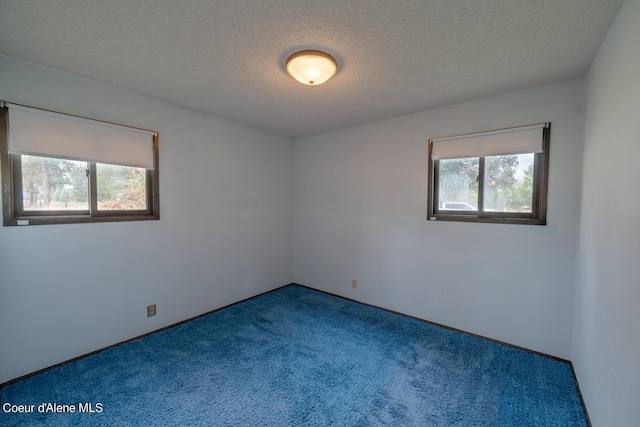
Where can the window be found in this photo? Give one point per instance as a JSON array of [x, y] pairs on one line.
[[497, 176], [65, 169]]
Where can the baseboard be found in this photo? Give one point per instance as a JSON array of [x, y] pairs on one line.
[[451, 328], [155, 331], [584, 405], [528, 350], [75, 359]]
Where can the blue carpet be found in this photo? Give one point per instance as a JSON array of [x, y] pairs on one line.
[[297, 357]]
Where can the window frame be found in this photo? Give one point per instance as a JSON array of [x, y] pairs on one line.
[[13, 213], [538, 215]]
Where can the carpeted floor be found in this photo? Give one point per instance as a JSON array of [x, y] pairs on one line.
[[297, 357]]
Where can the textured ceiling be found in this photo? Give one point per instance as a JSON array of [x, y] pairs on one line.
[[227, 57]]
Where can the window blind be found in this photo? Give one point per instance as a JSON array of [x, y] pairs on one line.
[[44, 133], [517, 140]]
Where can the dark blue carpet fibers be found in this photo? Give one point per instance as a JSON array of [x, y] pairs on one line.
[[298, 357]]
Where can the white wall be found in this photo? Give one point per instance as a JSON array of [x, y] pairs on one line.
[[224, 234], [360, 212], [606, 350]]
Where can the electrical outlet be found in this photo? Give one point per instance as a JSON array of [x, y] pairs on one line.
[[354, 283], [151, 310]]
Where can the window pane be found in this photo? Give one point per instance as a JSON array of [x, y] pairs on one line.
[[54, 184], [121, 187], [508, 183], [458, 186]]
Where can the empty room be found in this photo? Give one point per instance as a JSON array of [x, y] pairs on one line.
[[327, 213]]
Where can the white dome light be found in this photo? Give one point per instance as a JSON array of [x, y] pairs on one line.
[[311, 67]]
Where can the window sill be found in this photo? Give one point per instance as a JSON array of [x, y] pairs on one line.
[[487, 219], [76, 219]]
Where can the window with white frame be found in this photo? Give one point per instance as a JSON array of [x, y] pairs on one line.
[[495, 176], [58, 168]]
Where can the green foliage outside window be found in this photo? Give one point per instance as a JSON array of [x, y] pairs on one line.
[[504, 189], [58, 184]]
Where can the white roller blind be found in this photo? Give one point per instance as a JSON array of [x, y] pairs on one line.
[[520, 140], [43, 133]]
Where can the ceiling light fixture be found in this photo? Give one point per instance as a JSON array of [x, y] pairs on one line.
[[311, 67]]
